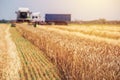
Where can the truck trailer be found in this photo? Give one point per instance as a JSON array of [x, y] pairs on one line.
[[57, 18]]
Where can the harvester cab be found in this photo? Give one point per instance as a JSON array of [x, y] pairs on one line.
[[23, 15]]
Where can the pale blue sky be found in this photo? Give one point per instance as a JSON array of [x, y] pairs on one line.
[[80, 9]]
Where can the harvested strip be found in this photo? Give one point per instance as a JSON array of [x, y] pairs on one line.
[[34, 61], [9, 60]]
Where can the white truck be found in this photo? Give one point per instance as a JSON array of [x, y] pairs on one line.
[[35, 17]]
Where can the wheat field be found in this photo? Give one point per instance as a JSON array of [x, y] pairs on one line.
[[79, 52], [21, 60], [58, 52]]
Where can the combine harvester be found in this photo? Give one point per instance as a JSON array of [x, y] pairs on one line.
[[23, 15]]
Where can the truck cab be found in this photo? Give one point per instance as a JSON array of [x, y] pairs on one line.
[[35, 17]]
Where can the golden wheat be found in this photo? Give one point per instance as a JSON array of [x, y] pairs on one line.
[[77, 57], [9, 60], [113, 33]]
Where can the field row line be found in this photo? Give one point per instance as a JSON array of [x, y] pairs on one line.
[[35, 65], [91, 32], [82, 35]]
